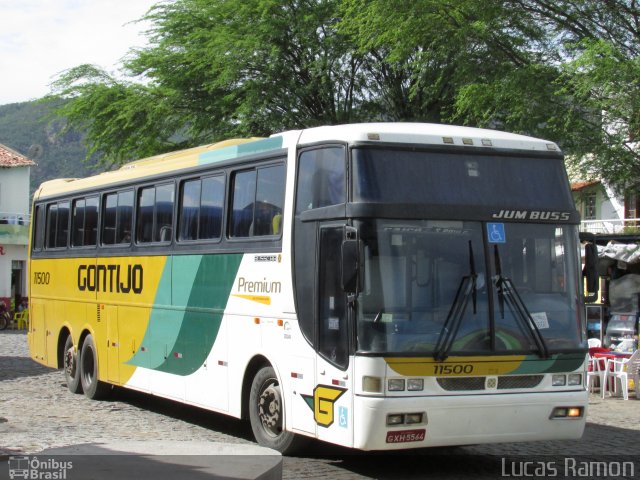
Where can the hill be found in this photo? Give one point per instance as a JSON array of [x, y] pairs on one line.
[[29, 129]]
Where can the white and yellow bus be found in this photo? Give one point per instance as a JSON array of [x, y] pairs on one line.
[[377, 286]]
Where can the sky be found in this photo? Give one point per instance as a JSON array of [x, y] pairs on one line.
[[39, 39]]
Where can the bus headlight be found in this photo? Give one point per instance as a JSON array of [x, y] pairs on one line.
[[558, 380], [415, 384], [412, 418], [395, 419], [396, 384], [575, 379]]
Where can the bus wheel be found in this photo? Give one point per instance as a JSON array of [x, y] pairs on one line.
[[71, 373], [266, 414], [93, 388]]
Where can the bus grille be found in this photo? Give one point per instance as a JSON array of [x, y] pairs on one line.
[[453, 384], [507, 382], [519, 381]]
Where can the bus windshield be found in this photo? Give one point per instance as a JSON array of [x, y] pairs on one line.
[[397, 176], [442, 288]]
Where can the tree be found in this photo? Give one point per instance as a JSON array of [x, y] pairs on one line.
[[600, 84], [562, 69], [216, 69]]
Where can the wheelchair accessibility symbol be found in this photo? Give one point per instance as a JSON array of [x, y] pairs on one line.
[[343, 416], [495, 233]]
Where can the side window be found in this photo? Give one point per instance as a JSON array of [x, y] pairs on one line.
[[321, 178], [201, 209], [77, 223], [109, 219], [155, 214], [52, 223], [125, 217], [269, 201], [146, 201], [84, 222], [244, 191], [117, 218], [57, 225], [38, 230], [63, 225], [257, 203], [91, 221]]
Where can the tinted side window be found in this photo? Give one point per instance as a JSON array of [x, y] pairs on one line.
[[244, 191], [77, 223], [84, 222], [146, 201], [109, 219], [258, 199], [63, 224], [321, 178], [269, 200], [57, 225], [52, 224], [39, 227], [211, 205], [155, 214], [125, 217], [201, 208], [117, 218], [190, 210], [91, 221]]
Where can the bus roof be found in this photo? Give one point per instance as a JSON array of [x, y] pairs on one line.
[[425, 133], [411, 133]]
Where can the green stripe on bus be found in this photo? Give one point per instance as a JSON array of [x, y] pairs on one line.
[[180, 339], [234, 151], [563, 362]]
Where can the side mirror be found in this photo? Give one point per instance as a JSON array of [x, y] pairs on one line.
[[350, 254], [590, 272]]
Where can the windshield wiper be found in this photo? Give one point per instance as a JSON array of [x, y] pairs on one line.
[[456, 312], [508, 294]]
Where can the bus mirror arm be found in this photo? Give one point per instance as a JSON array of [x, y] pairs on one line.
[[590, 272]]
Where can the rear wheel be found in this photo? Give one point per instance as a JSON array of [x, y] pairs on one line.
[[266, 414], [71, 370], [92, 387]]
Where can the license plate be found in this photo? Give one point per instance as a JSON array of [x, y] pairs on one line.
[[402, 436]]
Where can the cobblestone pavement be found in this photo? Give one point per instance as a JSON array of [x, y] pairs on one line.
[[37, 412]]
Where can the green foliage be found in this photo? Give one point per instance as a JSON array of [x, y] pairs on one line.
[[563, 70], [58, 152]]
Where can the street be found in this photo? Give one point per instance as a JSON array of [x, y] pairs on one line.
[[38, 412]]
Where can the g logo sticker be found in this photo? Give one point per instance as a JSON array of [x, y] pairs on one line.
[[322, 403]]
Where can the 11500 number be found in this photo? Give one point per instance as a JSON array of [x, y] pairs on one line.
[[452, 369], [41, 278]]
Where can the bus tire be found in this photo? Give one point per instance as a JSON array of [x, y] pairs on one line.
[[70, 366], [92, 387], [266, 414]]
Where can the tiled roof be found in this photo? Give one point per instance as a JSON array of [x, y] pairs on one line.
[[10, 158], [580, 185]]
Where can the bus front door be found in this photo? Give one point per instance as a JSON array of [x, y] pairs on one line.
[[332, 395]]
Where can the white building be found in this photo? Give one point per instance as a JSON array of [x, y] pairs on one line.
[[14, 223], [605, 212]]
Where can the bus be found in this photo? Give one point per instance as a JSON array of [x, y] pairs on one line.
[[379, 286]]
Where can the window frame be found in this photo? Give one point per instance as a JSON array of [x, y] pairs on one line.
[[85, 199], [136, 204], [103, 217], [180, 210], [48, 207], [256, 167]]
